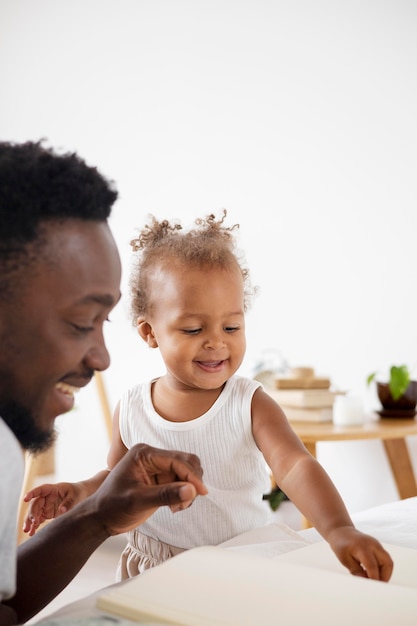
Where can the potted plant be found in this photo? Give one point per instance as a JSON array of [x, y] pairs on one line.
[[398, 395]]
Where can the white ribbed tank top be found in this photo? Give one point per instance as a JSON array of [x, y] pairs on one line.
[[235, 471]]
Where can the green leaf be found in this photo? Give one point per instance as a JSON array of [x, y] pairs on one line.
[[370, 378], [275, 497], [399, 380]]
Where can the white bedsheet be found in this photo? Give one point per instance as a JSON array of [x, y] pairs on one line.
[[395, 523]]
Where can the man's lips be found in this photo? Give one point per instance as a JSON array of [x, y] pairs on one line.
[[72, 383], [61, 400], [66, 389]]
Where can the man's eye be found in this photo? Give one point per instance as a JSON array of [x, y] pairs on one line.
[[82, 329]]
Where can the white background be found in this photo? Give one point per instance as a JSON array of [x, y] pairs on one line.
[[297, 117]]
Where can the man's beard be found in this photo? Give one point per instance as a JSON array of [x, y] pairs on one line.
[[22, 423]]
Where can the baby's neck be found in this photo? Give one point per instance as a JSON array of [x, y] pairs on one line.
[[182, 405]]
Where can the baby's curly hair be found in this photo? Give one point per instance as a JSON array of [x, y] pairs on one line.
[[160, 244]]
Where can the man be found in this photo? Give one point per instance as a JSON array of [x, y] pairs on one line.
[[59, 280]]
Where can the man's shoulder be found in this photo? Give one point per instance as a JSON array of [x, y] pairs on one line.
[[9, 445]]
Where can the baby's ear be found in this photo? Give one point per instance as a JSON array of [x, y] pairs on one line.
[[146, 332]]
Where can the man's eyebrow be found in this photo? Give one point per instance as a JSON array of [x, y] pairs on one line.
[[106, 300]]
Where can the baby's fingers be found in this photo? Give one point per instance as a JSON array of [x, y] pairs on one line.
[[385, 571], [34, 517], [377, 566], [31, 525], [27, 525], [31, 528], [33, 493]]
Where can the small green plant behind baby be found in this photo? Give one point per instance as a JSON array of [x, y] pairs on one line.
[[399, 379]]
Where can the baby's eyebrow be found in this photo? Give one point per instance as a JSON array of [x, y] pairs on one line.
[[187, 314]]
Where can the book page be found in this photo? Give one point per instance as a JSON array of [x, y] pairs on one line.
[[216, 586]]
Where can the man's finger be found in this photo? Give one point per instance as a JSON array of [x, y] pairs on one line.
[[188, 475], [180, 466]]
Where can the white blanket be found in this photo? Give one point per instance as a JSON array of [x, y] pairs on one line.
[[395, 523]]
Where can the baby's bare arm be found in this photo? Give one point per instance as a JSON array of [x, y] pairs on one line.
[[310, 488]]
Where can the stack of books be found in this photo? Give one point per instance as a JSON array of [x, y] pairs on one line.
[[304, 397]]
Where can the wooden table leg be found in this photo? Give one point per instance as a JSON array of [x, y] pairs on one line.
[[105, 406], [399, 460], [36, 465]]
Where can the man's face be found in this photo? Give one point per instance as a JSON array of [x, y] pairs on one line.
[[51, 329]]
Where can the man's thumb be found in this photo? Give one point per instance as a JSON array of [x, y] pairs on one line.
[[178, 496]]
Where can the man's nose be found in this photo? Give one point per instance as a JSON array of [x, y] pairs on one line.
[[98, 357]]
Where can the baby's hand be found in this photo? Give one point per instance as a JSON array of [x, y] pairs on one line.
[[362, 554], [48, 501]]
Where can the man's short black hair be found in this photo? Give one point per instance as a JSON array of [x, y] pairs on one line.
[[40, 185]]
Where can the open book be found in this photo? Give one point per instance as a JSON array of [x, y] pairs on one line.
[[215, 586]]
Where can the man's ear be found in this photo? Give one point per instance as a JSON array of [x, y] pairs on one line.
[[146, 332]]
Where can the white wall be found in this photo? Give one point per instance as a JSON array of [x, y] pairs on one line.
[[298, 117]]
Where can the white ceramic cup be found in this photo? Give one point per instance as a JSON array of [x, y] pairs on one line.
[[348, 410]]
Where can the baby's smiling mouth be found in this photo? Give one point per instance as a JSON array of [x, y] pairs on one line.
[[210, 363], [211, 366]]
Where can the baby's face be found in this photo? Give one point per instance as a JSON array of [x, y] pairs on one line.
[[198, 323]]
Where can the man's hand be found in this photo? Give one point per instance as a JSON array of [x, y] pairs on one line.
[[145, 479]]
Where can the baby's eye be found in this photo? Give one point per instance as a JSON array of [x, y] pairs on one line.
[[231, 329], [192, 331]]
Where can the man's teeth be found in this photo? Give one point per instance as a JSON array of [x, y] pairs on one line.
[[68, 390]]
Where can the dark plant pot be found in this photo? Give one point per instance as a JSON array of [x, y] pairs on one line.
[[407, 402]]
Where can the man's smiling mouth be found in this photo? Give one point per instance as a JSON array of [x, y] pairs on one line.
[[66, 389]]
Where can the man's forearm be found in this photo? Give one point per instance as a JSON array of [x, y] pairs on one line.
[[49, 561], [8, 616]]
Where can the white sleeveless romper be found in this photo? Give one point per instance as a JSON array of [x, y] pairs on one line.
[[235, 474]]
